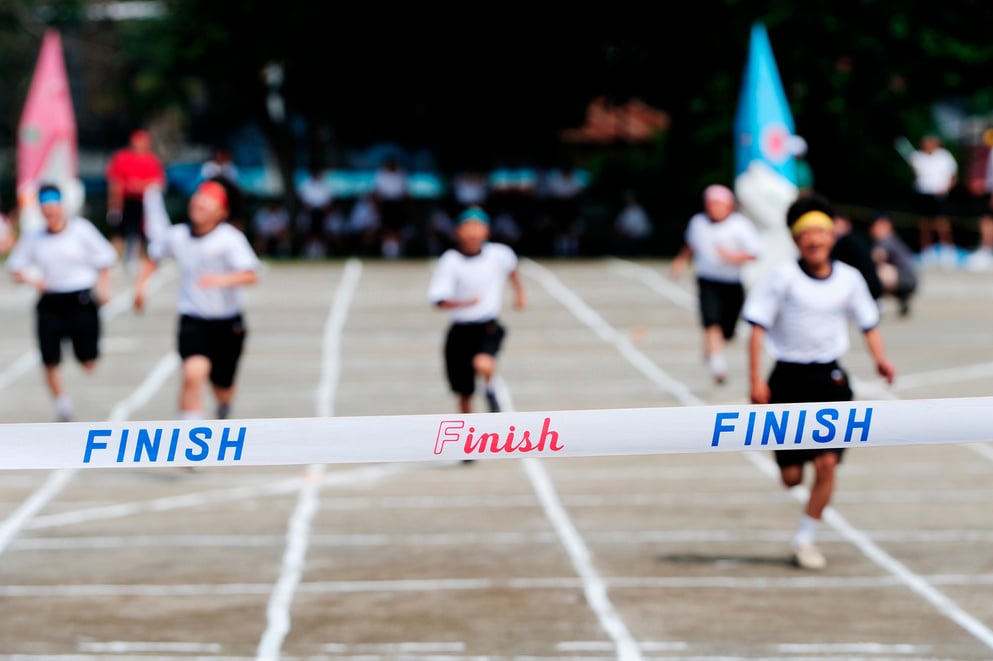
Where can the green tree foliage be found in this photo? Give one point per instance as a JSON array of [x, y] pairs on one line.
[[488, 83]]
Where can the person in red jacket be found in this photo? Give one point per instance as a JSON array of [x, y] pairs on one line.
[[130, 172]]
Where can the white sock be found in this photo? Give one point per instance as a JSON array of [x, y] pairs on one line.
[[806, 532], [191, 415], [718, 364], [63, 405]]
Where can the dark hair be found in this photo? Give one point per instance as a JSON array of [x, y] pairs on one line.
[[813, 202], [47, 187]]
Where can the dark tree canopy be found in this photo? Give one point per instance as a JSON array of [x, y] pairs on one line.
[[483, 83]]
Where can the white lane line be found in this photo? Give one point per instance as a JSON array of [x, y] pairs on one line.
[[973, 372], [568, 299], [143, 647], [56, 480], [615, 537], [118, 304], [21, 517], [393, 648], [594, 587], [593, 584], [298, 534], [796, 582], [334, 326], [148, 388], [25, 363], [866, 546]]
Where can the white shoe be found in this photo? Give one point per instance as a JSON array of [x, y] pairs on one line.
[[806, 556]]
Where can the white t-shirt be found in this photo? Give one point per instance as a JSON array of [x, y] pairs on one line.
[[461, 277], [271, 221], [69, 260], [805, 318], [315, 193], [222, 250], [934, 171], [735, 233], [390, 184]]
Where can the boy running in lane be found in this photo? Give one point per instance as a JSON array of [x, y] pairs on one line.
[[720, 241], [215, 263], [69, 262], [799, 311], [469, 283]]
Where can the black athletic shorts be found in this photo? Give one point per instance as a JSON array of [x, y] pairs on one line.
[[220, 340], [931, 206], [793, 383], [720, 304], [68, 316], [463, 342], [132, 219]]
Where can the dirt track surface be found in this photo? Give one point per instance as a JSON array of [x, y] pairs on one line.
[[677, 556]]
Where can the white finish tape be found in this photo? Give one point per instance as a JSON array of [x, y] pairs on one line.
[[602, 432]]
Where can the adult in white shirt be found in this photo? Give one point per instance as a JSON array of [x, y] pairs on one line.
[[69, 262], [720, 241], [799, 311], [935, 174], [215, 263]]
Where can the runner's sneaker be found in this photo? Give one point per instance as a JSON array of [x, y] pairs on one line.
[[806, 556], [491, 399]]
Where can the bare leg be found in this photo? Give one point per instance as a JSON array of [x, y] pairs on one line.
[[924, 228], [484, 365], [943, 231], [53, 379], [823, 486], [195, 372], [223, 397], [713, 341], [986, 233]]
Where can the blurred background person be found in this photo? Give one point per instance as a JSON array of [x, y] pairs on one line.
[[316, 201], [364, 225], [271, 229], [894, 262], [392, 190], [632, 227], [130, 172], [470, 188], [854, 249], [980, 189], [564, 190], [935, 174], [220, 164]]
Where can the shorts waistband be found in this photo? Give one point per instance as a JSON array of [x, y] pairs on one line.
[[474, 323]]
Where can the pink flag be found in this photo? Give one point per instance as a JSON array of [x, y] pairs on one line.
[[46, 136]]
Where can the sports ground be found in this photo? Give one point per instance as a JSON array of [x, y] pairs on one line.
[[669, 556]]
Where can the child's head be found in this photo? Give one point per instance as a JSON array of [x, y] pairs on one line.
[[718, 201], [472, 229], [811, 221], [209, 206]]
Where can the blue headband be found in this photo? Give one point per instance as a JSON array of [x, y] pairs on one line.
[[473, 213], [49, 195]]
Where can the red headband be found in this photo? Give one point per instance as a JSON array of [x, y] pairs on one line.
[[214, 190]]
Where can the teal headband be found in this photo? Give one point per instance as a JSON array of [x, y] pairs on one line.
[[49, 195], [473, 213]]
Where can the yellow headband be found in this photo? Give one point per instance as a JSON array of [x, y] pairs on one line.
[[813, 219]]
